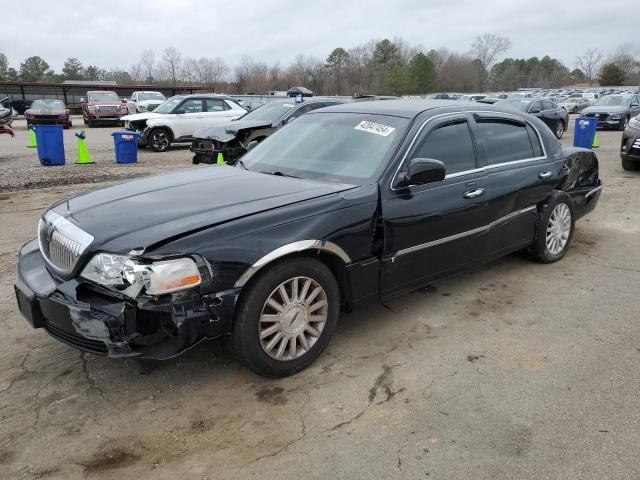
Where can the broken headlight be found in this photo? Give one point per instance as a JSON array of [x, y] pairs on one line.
[[129, 275]]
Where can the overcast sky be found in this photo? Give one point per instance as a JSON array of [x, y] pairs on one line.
[[112, 33]]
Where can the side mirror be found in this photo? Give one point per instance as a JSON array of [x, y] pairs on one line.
[[423, 170], [252, 145], [82, 100], [124, 99]]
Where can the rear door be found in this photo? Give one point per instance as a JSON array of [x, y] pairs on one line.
[[519, 176], [434, 229]]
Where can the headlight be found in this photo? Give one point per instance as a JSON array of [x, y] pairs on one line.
[[635, 122], [616, 117], [91, 109], [129, 275]]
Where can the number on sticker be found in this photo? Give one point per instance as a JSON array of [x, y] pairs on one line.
[[373, 127]]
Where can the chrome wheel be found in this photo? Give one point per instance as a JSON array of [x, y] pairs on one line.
[[559, 130], [293, 318], [160, 140], [558, 229]]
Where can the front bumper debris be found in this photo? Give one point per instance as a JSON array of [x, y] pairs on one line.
[[93, 319]]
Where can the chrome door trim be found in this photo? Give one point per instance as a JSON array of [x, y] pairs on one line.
[[593, 192], [468, 233], [294, 247], [474, 170]]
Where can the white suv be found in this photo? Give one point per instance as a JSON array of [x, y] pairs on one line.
[[144, 101], [178, 118]]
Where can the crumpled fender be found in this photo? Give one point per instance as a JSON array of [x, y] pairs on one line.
[[580, 169]]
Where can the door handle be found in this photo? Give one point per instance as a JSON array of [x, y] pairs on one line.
[[546, 174], [474, 193]]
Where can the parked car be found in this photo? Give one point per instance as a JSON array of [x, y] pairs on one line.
[[548, 111], [48, 112], [575, 104], [233, 138], [102, 106], [178, 118], [6, 114], [144, 101], [348, 205], [614, 111], [373, 98], [295, 91], [630, 145]]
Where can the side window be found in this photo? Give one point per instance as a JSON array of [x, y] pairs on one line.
[[304, 109], [535, 141], [548, 105], [504, 140], [134, 97], [191, 106], [214, 105], [451, 144], [535, 107]]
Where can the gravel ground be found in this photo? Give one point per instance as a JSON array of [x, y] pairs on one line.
[[20, 168], [514, 371]]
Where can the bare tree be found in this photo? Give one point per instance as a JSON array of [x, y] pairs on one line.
[[624, 57], [486, 48], [588, 63], [147, 63], [135, 72], [242, 73], [171, 65]]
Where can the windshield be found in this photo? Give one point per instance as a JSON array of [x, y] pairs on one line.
[[104, 97], [151, 96], [169, 105], [47, 104], [522, 105], [612, 101], [270, 112], [338, 147]]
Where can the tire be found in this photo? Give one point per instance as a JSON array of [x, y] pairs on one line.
[[195, 160], [559, 129], [551, 246], [287, 346], [159, 139], [90, 123], [629, 165], [623, 123]]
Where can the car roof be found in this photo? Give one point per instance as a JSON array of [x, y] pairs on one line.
[[100, 91]]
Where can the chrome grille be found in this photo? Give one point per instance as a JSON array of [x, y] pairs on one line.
[[106, 108], [61, 242]]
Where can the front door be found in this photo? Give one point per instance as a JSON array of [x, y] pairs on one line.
[[189, 119], [434, 229]]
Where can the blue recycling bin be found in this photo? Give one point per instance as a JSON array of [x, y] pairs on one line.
[[50, 144], [585, 132], [126, 143]]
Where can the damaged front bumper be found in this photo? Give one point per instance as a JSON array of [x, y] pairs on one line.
[[96, 320], [207, 151]]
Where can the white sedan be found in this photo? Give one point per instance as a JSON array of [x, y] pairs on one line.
[[178, 118]]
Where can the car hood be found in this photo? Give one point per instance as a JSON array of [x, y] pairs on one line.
[[141, 116], [46, 111], [146, 103], [228, 131], [604, 109], [150, 211]]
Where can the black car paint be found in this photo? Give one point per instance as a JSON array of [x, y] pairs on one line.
[[630, 146], [550, 116], [248, 215]]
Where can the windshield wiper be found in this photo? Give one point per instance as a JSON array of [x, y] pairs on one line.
[[243, 165], [278, 173]]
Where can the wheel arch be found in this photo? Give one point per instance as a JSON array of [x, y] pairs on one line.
[[162, 126], [329, 253]]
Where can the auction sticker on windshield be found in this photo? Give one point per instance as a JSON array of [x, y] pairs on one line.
[[373, 127]]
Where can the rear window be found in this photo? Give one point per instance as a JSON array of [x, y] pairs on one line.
[[504, 140]]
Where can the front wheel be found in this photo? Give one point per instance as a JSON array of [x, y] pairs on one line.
[[559, 129], [624, 123], [554, 228], [159, 140], [286, 317]]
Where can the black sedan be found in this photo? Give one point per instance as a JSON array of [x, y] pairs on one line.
[[232, 139], [630, 145], [348, 205], [48, 112], [556, 118], [614, 111]]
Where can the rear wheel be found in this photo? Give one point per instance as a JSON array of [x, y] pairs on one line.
[[286, 317], [159, 140], [554, 228]]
